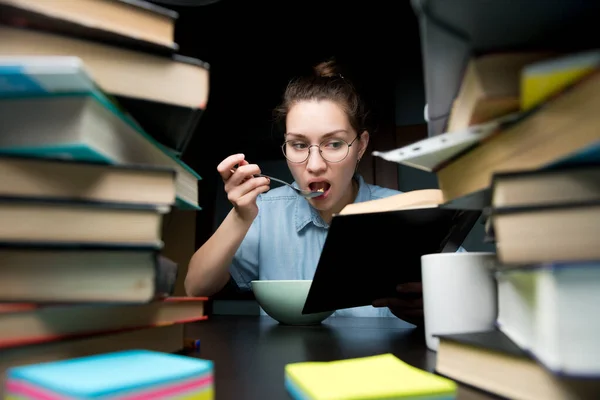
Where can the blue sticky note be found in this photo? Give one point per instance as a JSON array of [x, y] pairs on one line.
[[110, 373]]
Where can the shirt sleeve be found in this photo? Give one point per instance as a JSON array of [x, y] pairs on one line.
[[244, 266]]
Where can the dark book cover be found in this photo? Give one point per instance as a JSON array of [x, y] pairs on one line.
[[172, 126], [69, 203], [365, 256], [478, 200], [91, 163], [152, 7], [492, 340]]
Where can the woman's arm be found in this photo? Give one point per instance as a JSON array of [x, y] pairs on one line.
[[208, 270]]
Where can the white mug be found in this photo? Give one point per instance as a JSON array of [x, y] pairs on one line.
[[459, 294]]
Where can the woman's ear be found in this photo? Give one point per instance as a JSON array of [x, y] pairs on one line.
[[364, 142]]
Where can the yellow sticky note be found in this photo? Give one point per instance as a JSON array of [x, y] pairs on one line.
[[543, 79], [376, 377]]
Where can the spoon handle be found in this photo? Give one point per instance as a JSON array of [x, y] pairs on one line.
[[265, 176], [304, 193], [274, 179]]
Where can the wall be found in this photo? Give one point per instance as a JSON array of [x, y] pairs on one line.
[[410, 95]]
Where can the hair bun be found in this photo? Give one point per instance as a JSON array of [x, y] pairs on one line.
[[327, 69]]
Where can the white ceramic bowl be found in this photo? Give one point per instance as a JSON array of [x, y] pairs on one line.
[[283, 301]]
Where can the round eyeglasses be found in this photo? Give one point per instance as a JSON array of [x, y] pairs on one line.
[[331, 150]]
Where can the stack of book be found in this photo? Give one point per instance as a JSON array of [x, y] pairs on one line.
[[514, 112], [86, 187], [53, 54], [524, 145]]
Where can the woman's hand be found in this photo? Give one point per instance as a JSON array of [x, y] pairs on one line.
[[241, 186], [408, 306]]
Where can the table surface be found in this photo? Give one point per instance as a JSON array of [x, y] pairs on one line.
[[250, 352]]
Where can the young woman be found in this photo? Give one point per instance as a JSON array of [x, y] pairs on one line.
[[276, 234]]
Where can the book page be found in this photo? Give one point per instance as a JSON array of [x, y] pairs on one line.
[[426, 198]]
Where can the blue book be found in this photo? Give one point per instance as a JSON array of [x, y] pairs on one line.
[[589, 155], [125, 374], [62, 84], [43, 75]]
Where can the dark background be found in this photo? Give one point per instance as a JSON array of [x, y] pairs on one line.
[[255, 48]]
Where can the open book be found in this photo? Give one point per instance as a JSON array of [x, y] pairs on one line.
[[373, 246], [415, 199]]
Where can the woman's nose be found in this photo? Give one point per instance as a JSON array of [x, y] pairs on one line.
[[315, 161]]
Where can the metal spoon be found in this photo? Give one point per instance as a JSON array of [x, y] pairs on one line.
[[308, 194], [304, 193]]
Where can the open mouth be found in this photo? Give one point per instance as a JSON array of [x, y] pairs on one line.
[[322, 187]]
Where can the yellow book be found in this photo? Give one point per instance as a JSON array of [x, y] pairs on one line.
[[368, 378], [542, 79]]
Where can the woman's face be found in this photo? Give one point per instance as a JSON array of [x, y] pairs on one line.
[[324, 122]]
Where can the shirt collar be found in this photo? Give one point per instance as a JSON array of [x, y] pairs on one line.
[[304, 213]]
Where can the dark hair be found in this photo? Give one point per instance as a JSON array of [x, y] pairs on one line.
[[326, 83]]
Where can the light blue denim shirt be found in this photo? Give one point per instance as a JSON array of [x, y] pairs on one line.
[[286, 239]]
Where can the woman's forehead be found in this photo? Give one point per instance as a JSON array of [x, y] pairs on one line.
[[317, 120]]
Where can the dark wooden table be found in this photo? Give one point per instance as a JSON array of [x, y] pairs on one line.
[[250, 353]]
